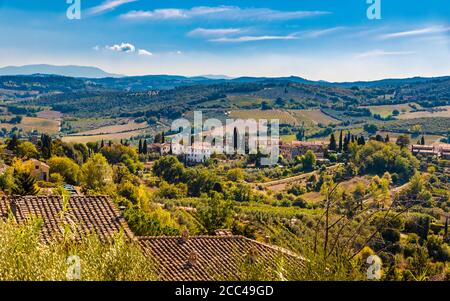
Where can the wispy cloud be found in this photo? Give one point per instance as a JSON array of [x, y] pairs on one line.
[[416, 32], [253, 38], [322, 32], [221, 12], [144, 52], [205, 32], [123, 47], [107, 6], [380, 53]]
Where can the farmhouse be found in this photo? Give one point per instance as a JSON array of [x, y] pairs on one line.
[[198, 152], [291, 150], [39, 169], [439, 150]]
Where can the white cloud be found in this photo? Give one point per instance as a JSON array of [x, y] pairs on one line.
[[144, 52], [221, 12], [253, 38], [378, 53], [123, 47], [204, 32], [107, 6], [322, 32], [416, 32]]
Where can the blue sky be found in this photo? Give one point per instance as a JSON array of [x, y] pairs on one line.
[[316, 39]]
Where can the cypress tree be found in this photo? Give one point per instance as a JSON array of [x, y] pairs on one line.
[[140, 147], [144, 147], [422, 140], [332, 145], [340, 141]]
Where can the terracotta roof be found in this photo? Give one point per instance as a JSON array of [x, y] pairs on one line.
[[84, 214], [203, 258], [4, 208]]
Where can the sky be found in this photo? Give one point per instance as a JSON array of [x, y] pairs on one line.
[[316, 39]]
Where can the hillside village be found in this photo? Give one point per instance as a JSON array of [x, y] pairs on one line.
[[202, 215]]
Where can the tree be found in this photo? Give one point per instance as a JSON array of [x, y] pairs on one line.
[[332, 145], [265, 105], [140, 146], [13, 143], [27, 150], [370, 128], [387, 138], [169, 169], [67, 168], [340, 141], [395, 112], [422, 140], [163, 137], [46, 146], [361, 140], [403, 141], [158, 138], [24, 184], [96, 174], [144, 147], [216, 214], [309, 160]]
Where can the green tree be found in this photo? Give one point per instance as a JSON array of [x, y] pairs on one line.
[[97, 174], [332, 145], [403, 141], [309, 160], [68, 169], [216, 214], [169, 169], [24, 184], [27, 150]]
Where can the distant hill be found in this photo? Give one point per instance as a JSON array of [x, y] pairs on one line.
[[70, 70]]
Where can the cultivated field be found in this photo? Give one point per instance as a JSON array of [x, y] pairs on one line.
[[111, 129], [312, 117], [386, 110], [29, 124], [49, 114], [439, 112], [105, 137], [283, 116]]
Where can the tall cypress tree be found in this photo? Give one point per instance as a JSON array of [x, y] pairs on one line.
[[422, 140], [140, 146], [163, 137], [340, 141], [144, 147], [332, 145], [13, 143]]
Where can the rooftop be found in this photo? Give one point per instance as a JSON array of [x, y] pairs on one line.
[[202, 258], [83, 214]]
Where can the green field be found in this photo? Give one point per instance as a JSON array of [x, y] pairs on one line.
[[386, 110]]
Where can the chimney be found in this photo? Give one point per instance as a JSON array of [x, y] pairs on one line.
[[192, 259], [184, 236]]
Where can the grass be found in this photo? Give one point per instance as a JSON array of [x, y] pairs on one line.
[[24, 258], [49, 114]]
